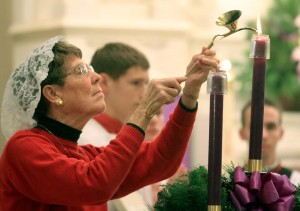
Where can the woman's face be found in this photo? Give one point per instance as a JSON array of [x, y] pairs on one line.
[[81, 93]]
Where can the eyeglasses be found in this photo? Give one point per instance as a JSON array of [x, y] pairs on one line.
[[82, 69]]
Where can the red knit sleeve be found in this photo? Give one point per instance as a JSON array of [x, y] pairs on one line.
[[159, 160]]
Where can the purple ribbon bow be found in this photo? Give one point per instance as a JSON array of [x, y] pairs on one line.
[[270, 191]]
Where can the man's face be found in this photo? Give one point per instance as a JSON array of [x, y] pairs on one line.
[[272, 130], [123, 95]]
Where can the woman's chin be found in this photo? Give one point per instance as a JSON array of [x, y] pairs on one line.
[[100, 109]]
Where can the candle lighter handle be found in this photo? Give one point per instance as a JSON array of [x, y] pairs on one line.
[[189, 72]]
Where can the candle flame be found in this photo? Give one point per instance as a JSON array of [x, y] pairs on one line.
[[258, 25]]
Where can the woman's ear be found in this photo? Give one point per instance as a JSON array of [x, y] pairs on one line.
[[52, 93]]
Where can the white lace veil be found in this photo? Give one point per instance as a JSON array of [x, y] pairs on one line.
[[23, 91]]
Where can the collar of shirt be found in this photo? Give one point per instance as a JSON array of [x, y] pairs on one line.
[[111, 124]]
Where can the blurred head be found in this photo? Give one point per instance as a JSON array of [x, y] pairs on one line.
[[74, 82], [272, 128], [124, 72], [155, 126]]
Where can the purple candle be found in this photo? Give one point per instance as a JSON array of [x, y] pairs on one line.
[[215, 149], [260, 51], [217, 86]]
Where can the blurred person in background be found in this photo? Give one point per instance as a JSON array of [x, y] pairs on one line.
[[272, 134]]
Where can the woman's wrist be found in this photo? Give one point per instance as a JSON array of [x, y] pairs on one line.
[[189, 95], [189, 109], [189, 99], [140, 117]]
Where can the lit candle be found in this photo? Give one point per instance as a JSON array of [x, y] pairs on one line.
[[260, 51], [217, 87]]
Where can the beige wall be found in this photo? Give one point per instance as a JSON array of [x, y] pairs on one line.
[[5, 52]]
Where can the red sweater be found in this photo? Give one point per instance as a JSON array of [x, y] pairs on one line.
[[37, 174]]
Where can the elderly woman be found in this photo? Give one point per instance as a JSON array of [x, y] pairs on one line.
[[47, 102]]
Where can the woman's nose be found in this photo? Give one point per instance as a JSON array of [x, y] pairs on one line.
[[96, 77]]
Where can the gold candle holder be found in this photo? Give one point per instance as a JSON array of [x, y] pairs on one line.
[[229, 20], [214, 208], [254, 165]]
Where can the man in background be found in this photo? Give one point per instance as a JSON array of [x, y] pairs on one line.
[[272, 134]]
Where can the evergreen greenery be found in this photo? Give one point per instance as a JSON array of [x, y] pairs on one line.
[[189, 192], [282, 84]]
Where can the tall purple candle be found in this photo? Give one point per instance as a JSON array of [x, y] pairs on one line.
[[217, 86], [259, 52]]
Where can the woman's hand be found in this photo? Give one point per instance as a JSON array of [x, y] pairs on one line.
[[159, 92], [197, 72]]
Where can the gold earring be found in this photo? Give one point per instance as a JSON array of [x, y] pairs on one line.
[[59, 102]]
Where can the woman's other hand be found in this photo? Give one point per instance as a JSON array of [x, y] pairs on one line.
[[159, 92]]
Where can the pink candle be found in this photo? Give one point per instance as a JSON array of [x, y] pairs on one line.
[[260, 51]]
